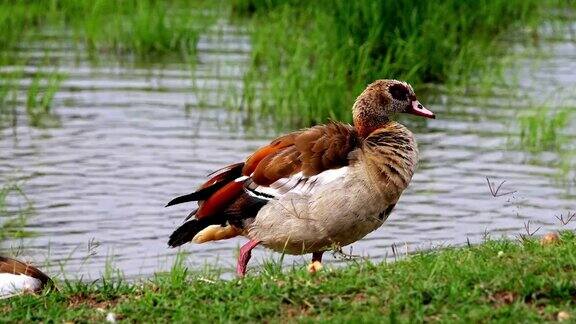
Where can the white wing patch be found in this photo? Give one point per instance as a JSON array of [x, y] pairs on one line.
[[14, 284], [296, 184], [241, 179]]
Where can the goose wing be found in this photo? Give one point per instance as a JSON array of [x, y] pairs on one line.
[[295, 163]]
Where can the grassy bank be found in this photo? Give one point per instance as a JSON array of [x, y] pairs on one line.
[[313, 57], [506, 280]]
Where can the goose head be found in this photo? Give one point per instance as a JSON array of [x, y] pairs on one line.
[[382, 99]]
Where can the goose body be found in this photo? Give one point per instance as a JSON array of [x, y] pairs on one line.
[[17, 277], [338, 206], [314, 189]]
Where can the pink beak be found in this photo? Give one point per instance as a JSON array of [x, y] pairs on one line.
[[417, 109]]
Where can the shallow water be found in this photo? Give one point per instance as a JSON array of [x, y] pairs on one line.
[[132, 138]]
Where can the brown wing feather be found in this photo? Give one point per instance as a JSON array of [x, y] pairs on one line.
[[272, 148], [12, 266], [314, 150], [277, 165], [223, 200]]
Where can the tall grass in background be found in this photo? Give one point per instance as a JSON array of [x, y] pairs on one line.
[[541, 129], [8, 97], [39, 98], [311, 58], [13, 220], [145, 28], [545, 130]]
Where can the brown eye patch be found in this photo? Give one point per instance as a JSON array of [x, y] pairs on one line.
[[399, 92]]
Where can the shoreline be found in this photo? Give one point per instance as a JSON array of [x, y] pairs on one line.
[[472, 283]]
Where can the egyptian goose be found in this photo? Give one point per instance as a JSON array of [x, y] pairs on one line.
[[17, 277], [313, 189]]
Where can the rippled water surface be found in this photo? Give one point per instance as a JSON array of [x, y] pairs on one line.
[[132, 138]]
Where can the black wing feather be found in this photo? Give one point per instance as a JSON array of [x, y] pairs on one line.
[[186, 232], [220, 178]]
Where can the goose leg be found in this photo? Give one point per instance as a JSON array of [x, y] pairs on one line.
[[244, 257], [316, 264]]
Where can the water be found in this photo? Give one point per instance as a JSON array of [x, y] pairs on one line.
[[132, 138]]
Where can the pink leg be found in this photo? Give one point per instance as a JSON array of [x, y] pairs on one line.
[[317, 256], [244, 257]]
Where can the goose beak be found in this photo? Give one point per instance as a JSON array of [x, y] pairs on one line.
[[417, 109]]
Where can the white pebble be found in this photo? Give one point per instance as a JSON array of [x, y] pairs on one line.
[[111, 318]]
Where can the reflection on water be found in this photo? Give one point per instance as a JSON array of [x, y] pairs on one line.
[[133, 138]]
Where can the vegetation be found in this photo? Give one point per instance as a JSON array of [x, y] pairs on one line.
[[541, 129], [12, 221], [313, 57], [40, 92], [498, 280], [8, 93], [144, 28], [39, 99], [546, 130]]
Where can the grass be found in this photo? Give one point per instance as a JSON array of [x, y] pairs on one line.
[[503, 280], [147, 29], [8, 97], [544, 130], [311, 58], [39, 99], [136, 30], [12, 221], [541, 129]]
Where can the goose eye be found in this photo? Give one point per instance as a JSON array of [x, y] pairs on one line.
[[398, 92]]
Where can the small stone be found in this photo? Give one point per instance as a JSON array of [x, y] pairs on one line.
[[563, 316], [549, 239], [111, 318]]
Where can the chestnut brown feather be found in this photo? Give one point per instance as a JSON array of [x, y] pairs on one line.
[[315, 150], [218, 180], [254, 160], [277, 165], [12, 266]]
